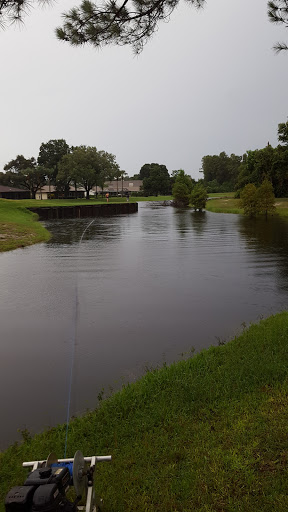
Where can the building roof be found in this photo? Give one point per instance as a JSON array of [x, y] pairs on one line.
[[52, 188], [11, 189], [128, 185]]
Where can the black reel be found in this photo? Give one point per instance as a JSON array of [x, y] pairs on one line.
[[43, 491]]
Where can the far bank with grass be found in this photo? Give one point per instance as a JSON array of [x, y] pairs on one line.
[[226, 204], [207, 434]]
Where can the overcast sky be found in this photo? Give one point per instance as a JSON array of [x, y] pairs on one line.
[[208, 81]]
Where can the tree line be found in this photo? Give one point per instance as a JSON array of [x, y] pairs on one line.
[[223, 173], [60, 165]]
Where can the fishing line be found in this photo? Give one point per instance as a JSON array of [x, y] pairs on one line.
[[73, 343]]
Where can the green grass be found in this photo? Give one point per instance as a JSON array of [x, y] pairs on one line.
[[231, 205], [19, 226], [224, 205], [222, 194], [30, 203], [206, 434]]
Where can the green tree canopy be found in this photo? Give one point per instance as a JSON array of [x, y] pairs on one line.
[[198, 197], [156, 180], [283, 133], [19, 163], [270, 163], [249, 200], [50, 154], [266, 197], [33, 178], [86, 167], [221, 171], [182, 188]]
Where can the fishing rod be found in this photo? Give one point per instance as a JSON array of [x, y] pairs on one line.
[[46, 486]]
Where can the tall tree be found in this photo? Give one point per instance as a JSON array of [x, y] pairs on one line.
[[221, 171], [19, 163], [182, 188], [13, 176], [33, 179], [87, 167], [266, 197], [158, 181], [50, 154], [198, 197], [66, 171], [283, 133], [249, 200]]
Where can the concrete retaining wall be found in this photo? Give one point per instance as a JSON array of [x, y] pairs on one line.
[[83, 210]]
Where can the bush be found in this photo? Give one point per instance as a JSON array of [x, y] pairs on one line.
[[198, 197]]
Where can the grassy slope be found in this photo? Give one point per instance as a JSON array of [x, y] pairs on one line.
[[206, 434], [228, 204], [19, 226]]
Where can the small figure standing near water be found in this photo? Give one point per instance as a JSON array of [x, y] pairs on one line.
[[127, 197], [107, 197]]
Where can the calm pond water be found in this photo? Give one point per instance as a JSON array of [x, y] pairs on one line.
[[149, 286]]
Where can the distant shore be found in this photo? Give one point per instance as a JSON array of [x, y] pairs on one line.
[[226, 203], [19, 227]]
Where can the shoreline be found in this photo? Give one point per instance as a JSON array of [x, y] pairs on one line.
[[203, 432], [19, 227]]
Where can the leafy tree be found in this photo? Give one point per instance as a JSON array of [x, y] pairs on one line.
[[182, 188], [145, 171], [184, 178], [20, 163], [266, 197], [221, 171], [158, 181], [66, 172], [180, 194], [270, 163], [50, 154], [249, 200], [198, 197], [283, 133], [86, 167], [25, 173], [33, 179]]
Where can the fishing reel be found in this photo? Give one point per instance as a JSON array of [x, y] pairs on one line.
[[47, 485]]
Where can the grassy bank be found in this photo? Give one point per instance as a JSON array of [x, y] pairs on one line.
[[19, 226], [205, 434], [231, 205], [30, 203]]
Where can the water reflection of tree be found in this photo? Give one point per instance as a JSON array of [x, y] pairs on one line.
[[268, 237], [70, 231], [199, 222], [181, 216]]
